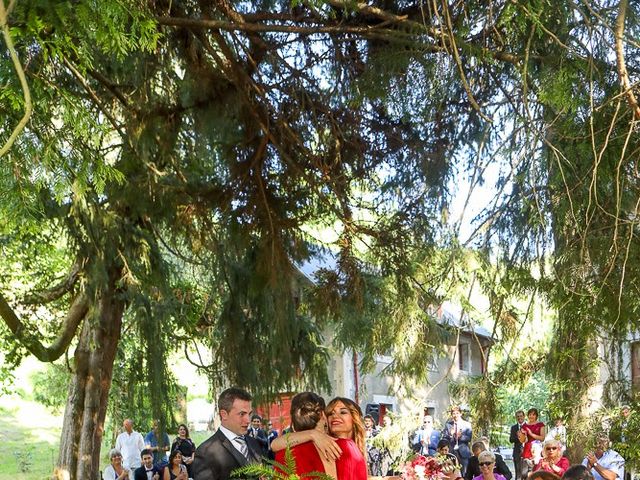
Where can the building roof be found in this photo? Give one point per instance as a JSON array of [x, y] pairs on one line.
[[449, 314]]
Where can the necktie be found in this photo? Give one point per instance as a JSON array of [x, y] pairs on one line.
[[242, 444]]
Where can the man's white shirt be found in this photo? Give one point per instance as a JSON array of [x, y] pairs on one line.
[[232, 438], [130, 446]]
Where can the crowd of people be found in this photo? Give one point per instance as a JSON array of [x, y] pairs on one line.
[[336, 439]]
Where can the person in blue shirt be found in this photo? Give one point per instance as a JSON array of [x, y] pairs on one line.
[[426, 438], [159, 448]]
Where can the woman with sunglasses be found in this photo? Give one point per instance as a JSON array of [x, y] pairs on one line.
[[487, 461], [552, 460]]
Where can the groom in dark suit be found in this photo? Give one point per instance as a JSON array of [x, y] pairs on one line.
[[229, 448]]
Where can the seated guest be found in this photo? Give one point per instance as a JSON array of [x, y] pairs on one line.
[[448, 461], [307, 413], [473, 467], [487, 462], [552, 460], [604, 463], [148, 471], [445, 455], [116, 471], [176, 470]]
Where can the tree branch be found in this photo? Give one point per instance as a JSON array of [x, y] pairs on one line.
[[379, 31], [4, 24], [622, 68], [57, 291], [94, 97], [22, 333]]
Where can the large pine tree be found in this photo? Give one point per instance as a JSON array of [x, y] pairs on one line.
[[221, 138]]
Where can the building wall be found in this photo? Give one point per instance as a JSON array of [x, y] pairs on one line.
[[402, 396], [615, 372]]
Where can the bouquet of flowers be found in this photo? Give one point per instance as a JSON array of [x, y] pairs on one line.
[[422, 468]]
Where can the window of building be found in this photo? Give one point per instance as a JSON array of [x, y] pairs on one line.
[[464, 357]]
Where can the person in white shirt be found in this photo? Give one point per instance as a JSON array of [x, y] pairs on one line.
[[130, 443], [559, 433], [604, 463]]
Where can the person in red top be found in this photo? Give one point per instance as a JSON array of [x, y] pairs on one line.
[[346, 444], [530, 432], [347, 425], [552, 460], [307, 413]]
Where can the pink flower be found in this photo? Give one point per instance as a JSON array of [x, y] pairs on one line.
[[422, 468]]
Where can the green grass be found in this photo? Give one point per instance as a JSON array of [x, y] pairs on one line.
[[30, 435]]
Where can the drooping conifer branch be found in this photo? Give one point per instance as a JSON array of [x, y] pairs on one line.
[[28, 107], [32, 343]]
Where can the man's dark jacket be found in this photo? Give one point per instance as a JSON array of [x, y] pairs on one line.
[[140, 473], [216, 457]]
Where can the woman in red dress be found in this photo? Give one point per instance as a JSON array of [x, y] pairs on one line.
[[307, 414], [346, 424], [344, 448], [530, 432]]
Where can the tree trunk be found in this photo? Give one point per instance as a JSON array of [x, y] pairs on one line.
[[83, 427]]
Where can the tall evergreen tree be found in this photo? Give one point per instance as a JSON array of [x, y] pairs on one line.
[[227, 134]]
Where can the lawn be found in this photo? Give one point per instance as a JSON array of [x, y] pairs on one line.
[[29, 434]]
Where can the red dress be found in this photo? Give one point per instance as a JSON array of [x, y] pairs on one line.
[[307, 459], [351, 465], [562, 464], [534, 428]]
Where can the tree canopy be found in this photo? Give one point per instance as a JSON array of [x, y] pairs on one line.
[[183, 157]]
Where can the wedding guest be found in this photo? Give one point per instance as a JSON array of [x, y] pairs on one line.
[[185, 445], [116, 471], [176, 470], [552, 460], [458, 432], [487, 461]]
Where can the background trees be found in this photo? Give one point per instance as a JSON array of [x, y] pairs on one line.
[[182, 158]]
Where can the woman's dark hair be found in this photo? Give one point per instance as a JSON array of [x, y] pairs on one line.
[[172, 456], [443, 443], [306, 410], [577, 472], [543, 475], [533, 410], [185, 428]]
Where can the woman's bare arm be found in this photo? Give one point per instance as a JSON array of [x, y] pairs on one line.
[[326, 445]]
